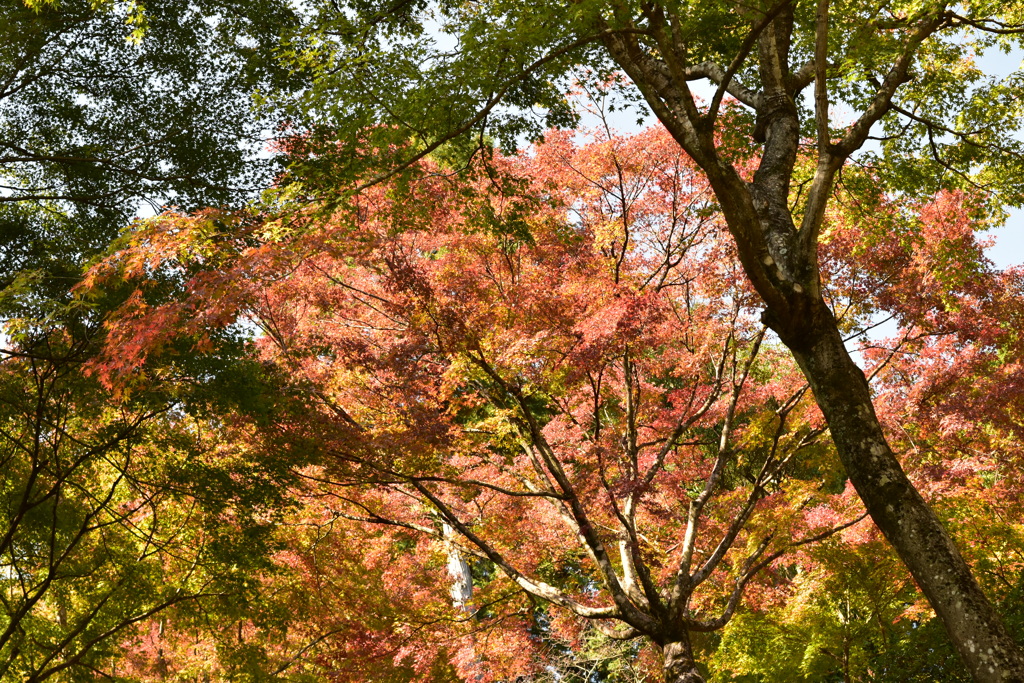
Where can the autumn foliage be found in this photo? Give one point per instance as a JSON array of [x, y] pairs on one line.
[[552, 369]]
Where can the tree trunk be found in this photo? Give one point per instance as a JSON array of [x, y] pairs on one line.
[[678, 663], [459, 571], [897, 508]]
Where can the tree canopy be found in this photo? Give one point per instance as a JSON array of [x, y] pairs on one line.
[[393, 84], [113, 510], [439, 404], [105, 107], [547, 388]]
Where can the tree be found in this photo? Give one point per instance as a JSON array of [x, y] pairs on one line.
[[108, 105], [103, 106], [949, 399], [568, 376], [113, 514], [446, 75]]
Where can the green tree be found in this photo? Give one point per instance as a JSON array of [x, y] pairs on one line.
[[114, 509], [112, 512], [105, 105], [393, 82]]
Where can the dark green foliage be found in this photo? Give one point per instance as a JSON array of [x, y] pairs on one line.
[[107, 106]]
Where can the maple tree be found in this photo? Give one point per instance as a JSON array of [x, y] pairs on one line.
[[407, 80], [564, 382], [386, 88]]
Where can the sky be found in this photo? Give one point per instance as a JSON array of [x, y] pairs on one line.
[[1008, 249]]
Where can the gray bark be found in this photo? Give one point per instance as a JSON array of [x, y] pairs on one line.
[[902, 514]]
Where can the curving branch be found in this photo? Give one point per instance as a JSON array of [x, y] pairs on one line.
[[539, 589], [725, 79], [587, 533]]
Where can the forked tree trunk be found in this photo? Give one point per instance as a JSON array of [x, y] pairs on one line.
[[776, 262], [897, 508], [678, 663]]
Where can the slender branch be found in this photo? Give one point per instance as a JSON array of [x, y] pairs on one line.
[[882, 101], [587, 534], [539, 589], [986, 25]]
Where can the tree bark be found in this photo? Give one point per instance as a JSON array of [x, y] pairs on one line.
[[896, 507], [459, 571], [679, 665]]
